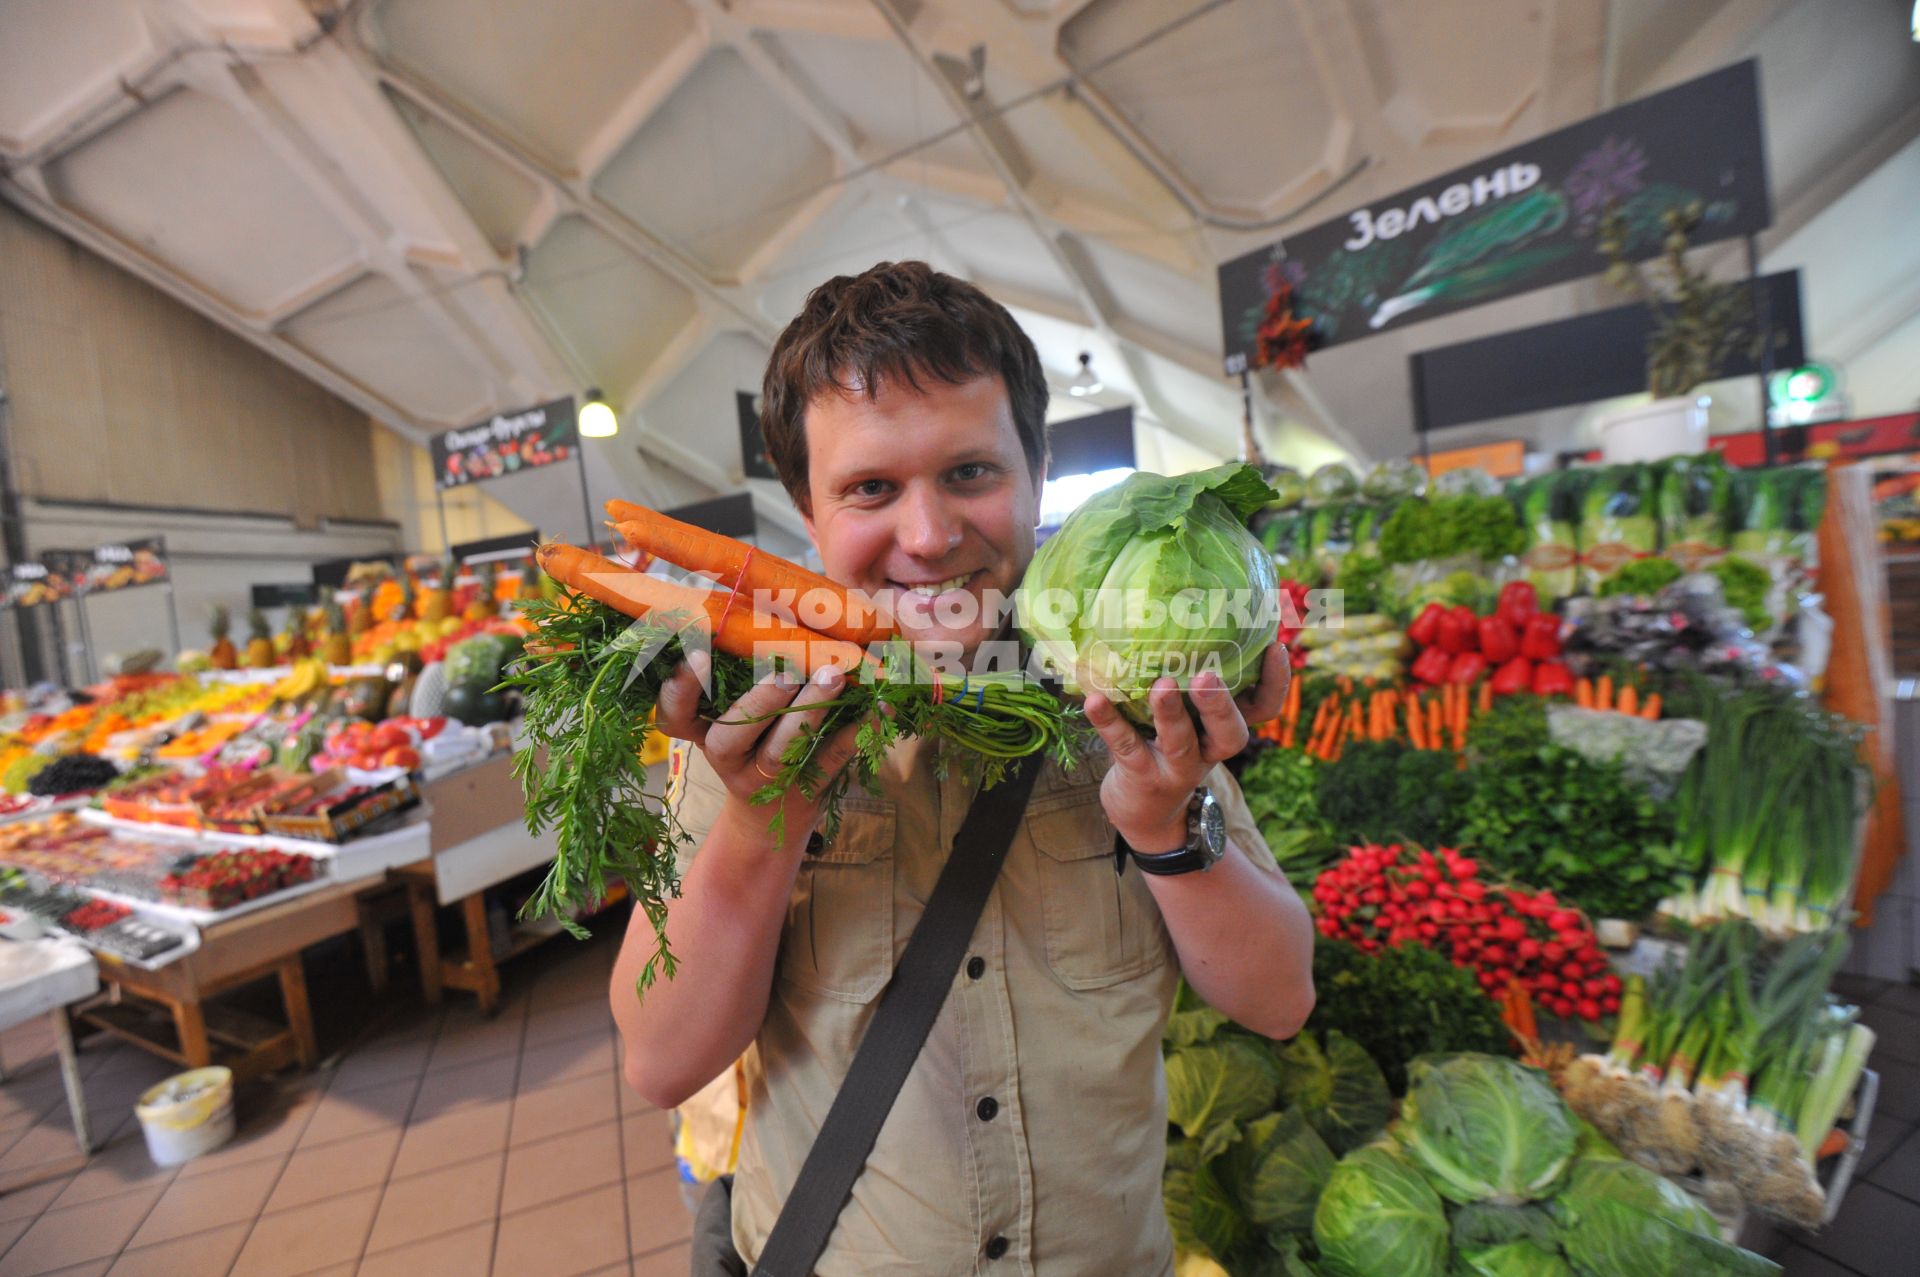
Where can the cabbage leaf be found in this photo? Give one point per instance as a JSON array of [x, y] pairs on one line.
[[1380, 1218], [1486, 1129], [1338, 1087]]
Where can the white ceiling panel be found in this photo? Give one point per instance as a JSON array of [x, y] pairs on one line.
[[696, 406], [1234, 99], [887, 101], [77, 50], [1489, 70], [187, 179], [496, 197], [374, 333], [550, 73], [614, 312], [862, 228], [696, 176]]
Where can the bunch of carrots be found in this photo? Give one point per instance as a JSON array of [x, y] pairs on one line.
[[1436, 718], [1599, 694], [601, 652]]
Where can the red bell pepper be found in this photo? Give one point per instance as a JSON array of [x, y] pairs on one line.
[[1499, 641], [1426, 627], [1541, 640], [1431, 666], [1551, 678], [1519, 601], [1515, 675], [1455, 635], [1466, 668]]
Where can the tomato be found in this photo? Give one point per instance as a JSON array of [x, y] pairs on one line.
[[401, 756], [389, 735]]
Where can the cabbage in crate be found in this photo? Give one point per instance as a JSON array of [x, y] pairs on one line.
[[1155, 576]]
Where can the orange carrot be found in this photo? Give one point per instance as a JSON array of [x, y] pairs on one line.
[[1583, 693], [1292, 709], [1415, 732], [737, 565], [1486, 696], [1629, 702], [1435, 720], [1651, 710], [1356, 723], [737, 632], [1603, 692]]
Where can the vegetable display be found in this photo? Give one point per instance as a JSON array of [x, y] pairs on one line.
[[1768, 811], [1175, 546], [1735, 1061], [1381, 897], [1558, 820], [1401, 1002], [1485, 1170]]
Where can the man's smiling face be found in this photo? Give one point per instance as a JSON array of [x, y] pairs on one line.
[[919, 494]]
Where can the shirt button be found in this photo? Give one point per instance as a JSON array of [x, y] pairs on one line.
[[976, 967], [986, 1108], [996, 1248]]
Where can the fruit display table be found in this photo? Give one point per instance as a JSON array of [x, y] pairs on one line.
[[170, 1010]]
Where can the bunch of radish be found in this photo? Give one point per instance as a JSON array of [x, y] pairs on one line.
[[1381, 896]]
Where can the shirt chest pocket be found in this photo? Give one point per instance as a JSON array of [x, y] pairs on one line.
[[1102, 928], [839, 935]]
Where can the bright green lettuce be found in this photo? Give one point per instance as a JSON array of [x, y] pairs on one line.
[[1278, 1170], [1339, 1088], [1378, 1217], [1485, 1129], [1153, 576]]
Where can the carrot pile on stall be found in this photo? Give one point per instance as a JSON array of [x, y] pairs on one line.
[[1430, 718]]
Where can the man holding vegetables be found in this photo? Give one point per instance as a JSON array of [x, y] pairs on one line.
[[904, 411]]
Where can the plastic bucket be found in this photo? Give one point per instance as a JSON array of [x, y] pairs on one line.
[[188, 1114]]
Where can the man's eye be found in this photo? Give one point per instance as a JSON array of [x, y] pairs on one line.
[[970, 471], [869, 488]]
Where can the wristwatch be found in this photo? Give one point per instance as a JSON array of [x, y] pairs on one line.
[[1206, 841]]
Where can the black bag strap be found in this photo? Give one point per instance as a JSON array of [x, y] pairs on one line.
[[908, 1007]]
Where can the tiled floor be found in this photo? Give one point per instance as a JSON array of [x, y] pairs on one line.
[[442, 1144], [445, 1144]]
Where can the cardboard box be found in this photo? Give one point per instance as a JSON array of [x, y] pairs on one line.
[[474, 801]]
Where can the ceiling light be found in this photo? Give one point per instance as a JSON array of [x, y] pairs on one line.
[[597, 420], [1085, 383]]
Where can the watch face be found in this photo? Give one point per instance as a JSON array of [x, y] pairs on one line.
[[1213, 827]]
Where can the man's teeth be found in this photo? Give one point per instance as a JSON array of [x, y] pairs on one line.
[[940, 587]]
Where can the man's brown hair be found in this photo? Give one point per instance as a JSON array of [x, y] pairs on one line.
[[899, 320]]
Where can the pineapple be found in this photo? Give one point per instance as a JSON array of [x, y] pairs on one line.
[[403, 608], [336, 648], [439, 598], [223, 655], [481, 610], [259, 654]]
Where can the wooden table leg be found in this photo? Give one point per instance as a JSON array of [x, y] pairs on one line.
[[480, 952], [191, 1023], [70, 1075], [293, 991], [373, 945], [426, 940]]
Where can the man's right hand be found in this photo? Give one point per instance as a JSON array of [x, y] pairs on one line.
[[744, 744]]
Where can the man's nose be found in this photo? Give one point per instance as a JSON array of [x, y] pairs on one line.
[[928, 528]]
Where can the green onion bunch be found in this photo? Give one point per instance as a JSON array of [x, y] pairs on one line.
[[1769, 812], [1731, 1059]]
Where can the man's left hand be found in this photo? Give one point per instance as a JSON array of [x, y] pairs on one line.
[[1147, 791]]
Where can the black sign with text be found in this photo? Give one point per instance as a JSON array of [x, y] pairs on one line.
[[506, 443], [123, 565], [1516, 221], [1089, 444], [48, 577], [515, 545]]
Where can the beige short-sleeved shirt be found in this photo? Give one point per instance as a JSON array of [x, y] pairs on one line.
[[1037, 1109]]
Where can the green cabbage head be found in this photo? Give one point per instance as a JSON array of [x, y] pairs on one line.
[[1155, 576], [1486, 1129], [1378, 1217], [1616, 1217]]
